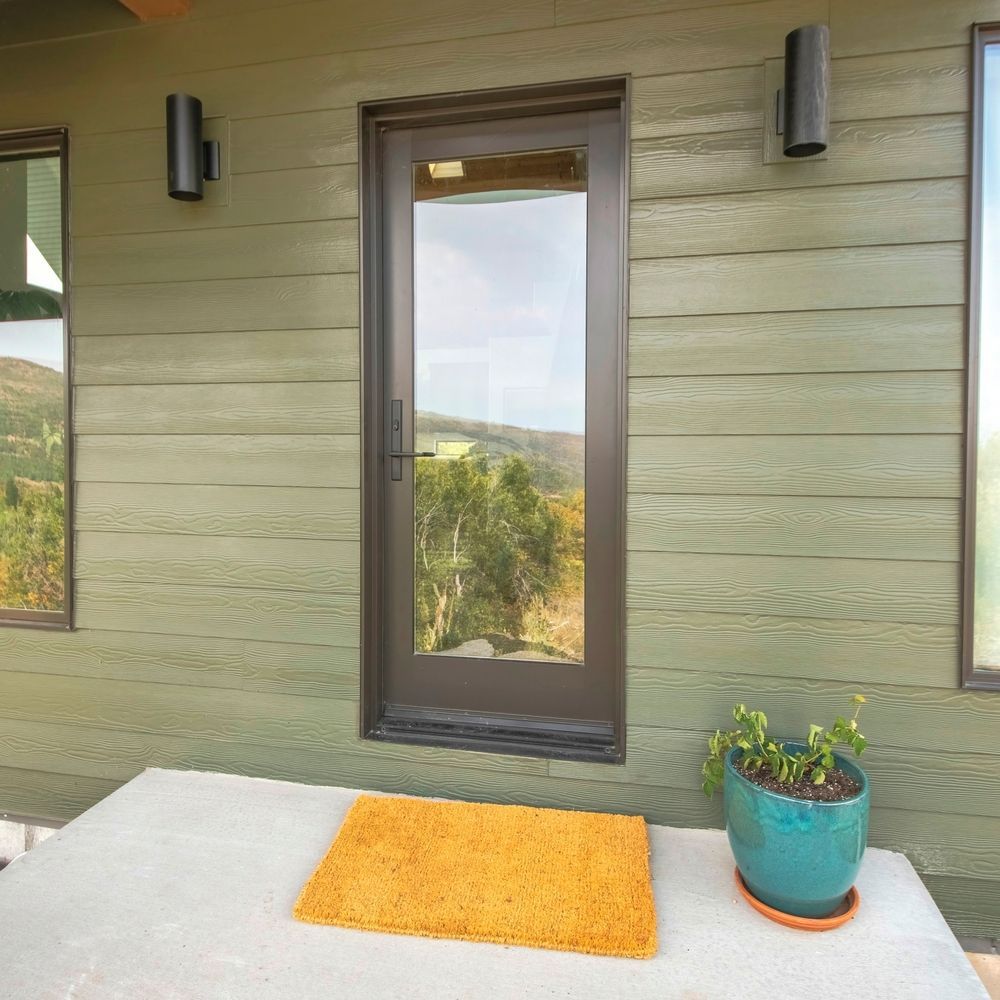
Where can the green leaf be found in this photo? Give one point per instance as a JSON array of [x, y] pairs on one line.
[[819, 776]]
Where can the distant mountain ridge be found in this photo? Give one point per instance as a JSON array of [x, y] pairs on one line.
[[30, 395], [558, 456]]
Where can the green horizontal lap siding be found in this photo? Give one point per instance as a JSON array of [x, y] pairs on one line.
[[796, 354]]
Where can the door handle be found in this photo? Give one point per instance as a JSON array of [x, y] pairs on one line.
[[396, 450]]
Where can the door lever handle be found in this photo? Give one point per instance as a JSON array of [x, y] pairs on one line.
[[412, 454]]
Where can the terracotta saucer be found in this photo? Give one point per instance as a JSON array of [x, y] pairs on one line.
[[845, 912]]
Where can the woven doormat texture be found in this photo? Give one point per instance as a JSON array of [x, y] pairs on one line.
[[546, 878]]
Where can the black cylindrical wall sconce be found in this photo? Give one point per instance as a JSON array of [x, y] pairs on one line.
[[190, 160], [807, 90]]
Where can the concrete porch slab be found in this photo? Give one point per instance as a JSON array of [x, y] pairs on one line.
[[180, 887]]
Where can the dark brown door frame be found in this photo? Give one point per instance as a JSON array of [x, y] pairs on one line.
[[463, 729]]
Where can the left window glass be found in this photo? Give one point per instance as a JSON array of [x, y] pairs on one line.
[[33, 383]]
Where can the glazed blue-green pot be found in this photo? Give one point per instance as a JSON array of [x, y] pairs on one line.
[[797, 856]]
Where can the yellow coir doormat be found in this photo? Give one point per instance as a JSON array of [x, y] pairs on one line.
[[547, 878]]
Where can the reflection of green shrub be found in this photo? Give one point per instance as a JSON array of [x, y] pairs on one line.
[[31, 548], [495, 557]]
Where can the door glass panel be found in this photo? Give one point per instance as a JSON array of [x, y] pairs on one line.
[[500, 291], [986, 622], [32, 386]]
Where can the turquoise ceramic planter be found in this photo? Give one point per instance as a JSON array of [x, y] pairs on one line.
[[797, 856]]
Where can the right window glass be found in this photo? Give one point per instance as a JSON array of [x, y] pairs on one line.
[[982, 633]]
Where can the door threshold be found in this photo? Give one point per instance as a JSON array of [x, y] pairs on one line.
[[553, 739]]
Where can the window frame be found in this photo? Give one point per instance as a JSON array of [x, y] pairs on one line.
[[374, 118], [28, 142]]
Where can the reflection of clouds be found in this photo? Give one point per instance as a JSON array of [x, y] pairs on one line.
[[500, 310], [39, 340]]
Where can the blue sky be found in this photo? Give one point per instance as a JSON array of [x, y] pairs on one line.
[[40, 341], [500, 310]]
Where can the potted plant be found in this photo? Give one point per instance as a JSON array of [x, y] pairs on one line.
[[796, 813]]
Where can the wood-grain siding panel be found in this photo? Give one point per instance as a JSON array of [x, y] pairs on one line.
[[917, 338], [287, 31], [891, 149], [827, 403], [273, 197], [686, 40], [573, 11], [84, 750], [198, 713], [251, 511], [244, 356], [972, 906], [858, 527], [47, 795], [229, 408], [395, 769], [284, 142], [860, 27], [800, 219], [220, 459], [886, 465], [904, 779], [310, 618], [275, 142], [863, 652], [890, 85], [294, 303], [325, 247], [864, 589], [144, 658], [316, 566], [926, 274], [961, 721]]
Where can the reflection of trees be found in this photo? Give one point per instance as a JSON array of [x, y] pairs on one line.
[[987, 619], [495, 558], [28, 304], [31, 548]]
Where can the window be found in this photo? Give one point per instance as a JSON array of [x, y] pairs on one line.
[[34, 386], [981, 634], [493, 229]]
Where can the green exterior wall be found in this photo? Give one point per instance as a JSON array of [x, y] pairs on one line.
[[796, 354]]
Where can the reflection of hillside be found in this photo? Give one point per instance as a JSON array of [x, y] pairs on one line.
[[557, 457], [31, 396]]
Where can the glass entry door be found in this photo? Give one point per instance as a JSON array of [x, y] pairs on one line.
[[499, 458]]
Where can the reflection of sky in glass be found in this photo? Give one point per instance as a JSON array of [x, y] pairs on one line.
[[500, 310], [39, 340], [989, 377]]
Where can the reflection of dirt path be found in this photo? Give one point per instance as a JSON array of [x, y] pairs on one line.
[[484, 648]]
